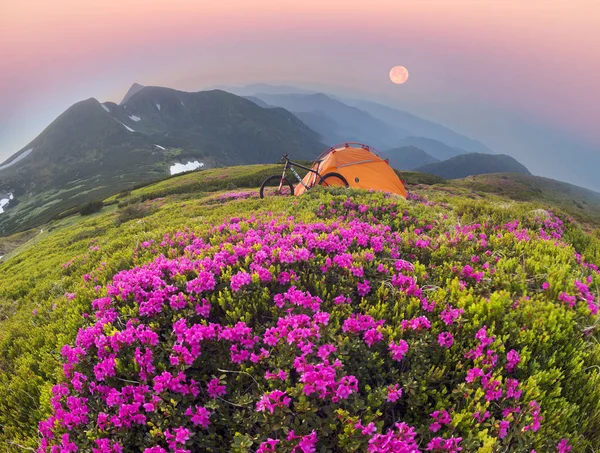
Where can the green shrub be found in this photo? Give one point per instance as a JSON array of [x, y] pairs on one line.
[[91, 207], [134, 211], [415, 177]]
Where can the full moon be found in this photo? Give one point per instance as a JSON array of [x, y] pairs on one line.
[[398, 75]]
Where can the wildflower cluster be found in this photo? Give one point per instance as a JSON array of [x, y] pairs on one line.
[[374, 331]]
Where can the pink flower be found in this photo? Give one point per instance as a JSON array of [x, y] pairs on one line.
[[512, 389], [441, 418], [445, 339], [398, 350], [199, 416], [181, 435], [240, 280], [271, 400], [364, 288], [372, 336], [503, 429], [325, 350], [563, 446], [536, 416], [282, 375], [308, 443], [268, 446], [513, 359], [473, 374], [342, 299], [394, 392], [156, 449], [215, 389], [449, 315], [450, 445], [493, 389], [481, 417], [366, 430]]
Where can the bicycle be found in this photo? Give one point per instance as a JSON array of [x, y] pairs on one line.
[[285, 187]]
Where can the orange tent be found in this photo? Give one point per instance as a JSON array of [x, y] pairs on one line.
[[361, 167]]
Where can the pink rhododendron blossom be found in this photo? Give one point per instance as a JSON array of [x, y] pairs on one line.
[[481, 417], [394, 392], [199, 416], [398, 350], [271, 400], [503, 429], [563, 446], [445, 339], [215, 389], [239, 280], [363, 287], [441, 418], [512, 360]]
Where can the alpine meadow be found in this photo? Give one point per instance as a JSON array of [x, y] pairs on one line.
[[340, 320], [279, 226]]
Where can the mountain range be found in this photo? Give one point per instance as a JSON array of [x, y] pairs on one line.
[[96, 149], [340, 120]]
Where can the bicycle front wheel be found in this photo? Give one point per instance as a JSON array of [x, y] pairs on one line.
[[275, 186], [333, 179]]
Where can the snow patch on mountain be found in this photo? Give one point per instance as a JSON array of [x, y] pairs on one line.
[[105, 108], [180, 168], [4, 202], [124, 125], [21, 157], [135, 118], [160, 147]]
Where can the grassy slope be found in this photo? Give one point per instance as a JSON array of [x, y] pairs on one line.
[[583, 204], [36, 317]]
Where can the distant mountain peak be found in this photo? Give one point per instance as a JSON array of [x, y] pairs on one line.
[[136, 87], [408, 157], [321, 96]]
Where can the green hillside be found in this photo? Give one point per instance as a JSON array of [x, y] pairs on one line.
[[465, 315], [583, 204]]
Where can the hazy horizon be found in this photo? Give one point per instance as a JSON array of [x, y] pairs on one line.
[[499, 72]]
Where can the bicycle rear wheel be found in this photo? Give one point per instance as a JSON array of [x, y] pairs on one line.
[[275, 186], [333, 179]]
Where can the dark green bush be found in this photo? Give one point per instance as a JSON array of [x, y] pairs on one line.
[[91, 207], [134, 211], [415, 177]]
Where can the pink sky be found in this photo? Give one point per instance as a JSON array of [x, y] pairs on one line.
[[538, 57]]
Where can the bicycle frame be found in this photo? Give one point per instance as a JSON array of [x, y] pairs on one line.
[[289, 164]]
